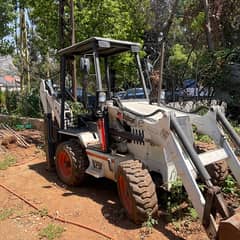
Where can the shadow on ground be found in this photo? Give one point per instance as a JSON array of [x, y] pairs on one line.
[[104, 192]]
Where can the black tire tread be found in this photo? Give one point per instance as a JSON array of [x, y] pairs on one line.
[[78, 159], [142, 190]]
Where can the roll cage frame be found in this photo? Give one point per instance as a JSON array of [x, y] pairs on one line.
[[98, 48]]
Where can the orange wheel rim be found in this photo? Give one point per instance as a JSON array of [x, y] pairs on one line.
[[64, 164], [125, 194]]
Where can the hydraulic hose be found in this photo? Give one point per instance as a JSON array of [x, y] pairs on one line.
[[56, 218], [119, 104]]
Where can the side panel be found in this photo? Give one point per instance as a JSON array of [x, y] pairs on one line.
[[103, 164]]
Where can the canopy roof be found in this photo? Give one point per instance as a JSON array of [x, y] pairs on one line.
[[104, 47]]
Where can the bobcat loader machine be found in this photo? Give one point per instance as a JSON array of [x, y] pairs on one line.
[[133, 142]]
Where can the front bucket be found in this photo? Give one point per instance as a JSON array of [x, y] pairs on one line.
[[230, 229]]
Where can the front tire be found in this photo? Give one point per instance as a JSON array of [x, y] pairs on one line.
[[136, 191], [71, 163]]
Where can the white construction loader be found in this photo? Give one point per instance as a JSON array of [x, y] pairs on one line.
[[130, 141]]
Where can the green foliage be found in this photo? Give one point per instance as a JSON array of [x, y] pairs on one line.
[[186, 46], [44, 14], [14, 121], [2, 98], [230, 186], [149, 224], [2, 102], [177, 195], [178, 205], [116, 19], [202, 138], [126, 72], [178, 56], [51, 232], [43, 212], [193, 213], [230, 23], [12, 100], [29, 104], [5, 213], [236, 126], [6, 28], [198, 22], [181, 61], [7, 162], [23, 104], [77, 108], [237, 129]]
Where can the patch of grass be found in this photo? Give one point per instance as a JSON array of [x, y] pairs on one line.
[[237, 129], [177, 196], [8, 161], [236, 126], [5, 213], [177, 225], [202, 138], [43, 212], [51, 232], [178, 205], [193, 213], [230, 186], [149, 224], [147, 227]]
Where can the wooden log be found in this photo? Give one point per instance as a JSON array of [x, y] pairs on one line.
[[8, 139]]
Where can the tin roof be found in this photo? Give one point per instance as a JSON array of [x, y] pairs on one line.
[[104, 47]]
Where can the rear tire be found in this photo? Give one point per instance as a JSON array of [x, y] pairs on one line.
[[71, 163], [218, 172], [136, 191]]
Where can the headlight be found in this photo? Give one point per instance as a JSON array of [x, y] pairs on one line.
[[102, 97]]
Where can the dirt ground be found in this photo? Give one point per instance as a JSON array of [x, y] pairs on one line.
[[95, 204]]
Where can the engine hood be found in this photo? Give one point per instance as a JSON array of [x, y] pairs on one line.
[[144, 108]]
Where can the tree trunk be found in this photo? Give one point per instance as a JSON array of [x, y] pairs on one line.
[[24, 53], [208, 25]]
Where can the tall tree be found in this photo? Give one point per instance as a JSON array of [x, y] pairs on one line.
[[208, 25], [24, 51], [6, 26]]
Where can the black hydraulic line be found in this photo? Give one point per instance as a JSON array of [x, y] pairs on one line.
[[118, 101], [228, 127], [119, 104], [175, 126], [142, 115]]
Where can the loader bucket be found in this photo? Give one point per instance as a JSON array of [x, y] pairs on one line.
[[230, 229]]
